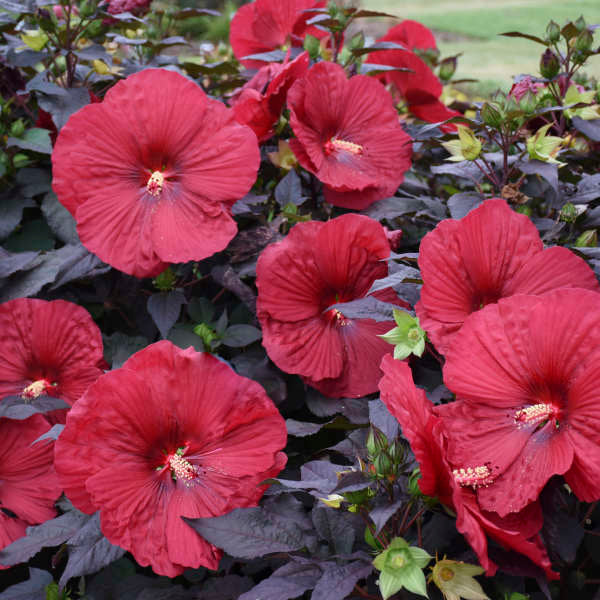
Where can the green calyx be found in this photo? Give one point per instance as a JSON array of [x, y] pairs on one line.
[[402, 566], [407, 338]]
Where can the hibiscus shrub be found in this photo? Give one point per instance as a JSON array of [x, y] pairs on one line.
[[280, 318]]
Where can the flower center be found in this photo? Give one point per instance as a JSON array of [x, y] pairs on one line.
[[336, 145], [474, 476], [447, 574], [181, 469], [537, 415], [340, 319], [35, 389], [155, 183]]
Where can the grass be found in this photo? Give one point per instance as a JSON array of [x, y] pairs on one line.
[[472, 27]]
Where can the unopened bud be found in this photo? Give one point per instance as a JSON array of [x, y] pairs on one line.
[[528, 102], [568, 213], [447, 68], [580, 24], [553, 32], [549, 64], [588, 239], [584, 41], [491, 115]]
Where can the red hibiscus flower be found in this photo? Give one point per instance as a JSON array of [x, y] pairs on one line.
[[455, 486], [266, 25], [261, 100], [419, 87], [490, 254], [348, 135], [315, 266], [526, 371], [172, 433], [157, 185], [52, 348], [28, 484]]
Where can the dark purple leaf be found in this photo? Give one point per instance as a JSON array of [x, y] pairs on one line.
[[302, 429], [289, 581], [588, 189], [63, 106], [61, 222], [230, 280], [239, 336], [164, 308], [462, 203], [229, 587], [32, 589], [333, 526], [464, 169], [89, 551], [352, 481], [382, 512], [589, 128], [395, 279], [77, 263], [338, 581], [381, 417], [254, 364], [354, 409], [12, 263], [318, 475], [365, 308], [11, 210], [250, 532], [51, 533], [548, 171], [289, 190], [51, 434], [15, 407], [273, 56]]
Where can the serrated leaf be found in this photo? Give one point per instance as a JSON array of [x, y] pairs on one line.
[[89, 551], [239, 336], [62, 107], [250, 532], [164, 308]]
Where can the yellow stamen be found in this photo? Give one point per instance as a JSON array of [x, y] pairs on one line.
[[335, 144], [35, 389], [535, 414], [473, 476]]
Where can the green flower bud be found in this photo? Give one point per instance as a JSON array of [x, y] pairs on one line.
[[455, 580], [580, 24], [528, 102], [491, 115], [568, 213], [17, 129], [208, 334], [584, 41], [448, 68], [36, 39], [549, 64], [588, 239], [165, 281], [20, 160], [552, 32], [312, 45]]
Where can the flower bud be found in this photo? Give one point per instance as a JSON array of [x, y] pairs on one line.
[[580, 24], [469, 144], [17, 129], [552, 32], [447, 68], [165, 281], [528, 102], [584, 41], [568, 213], [491, 115], [588, 239], [549, 64]]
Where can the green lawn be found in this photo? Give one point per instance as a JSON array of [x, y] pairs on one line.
[[472, 27]]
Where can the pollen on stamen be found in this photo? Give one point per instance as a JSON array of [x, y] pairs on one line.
[[335, 144], [340, 318], [155, 183], [475, 477], [535, 414], [182, 469], [35, 389]]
